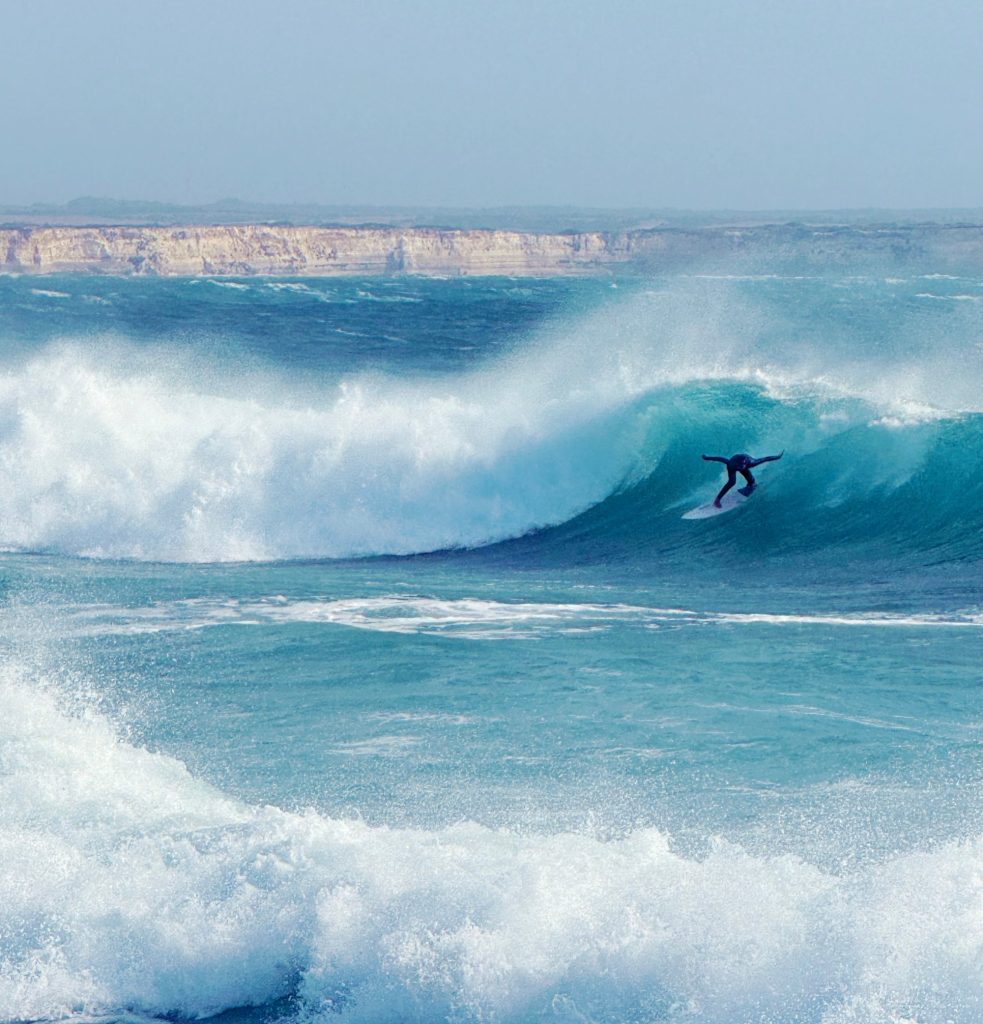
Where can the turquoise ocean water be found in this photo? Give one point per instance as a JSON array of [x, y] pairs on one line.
[[356, 664]]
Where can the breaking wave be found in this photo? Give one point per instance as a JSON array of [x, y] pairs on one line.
[[129, 887], [109, 450]]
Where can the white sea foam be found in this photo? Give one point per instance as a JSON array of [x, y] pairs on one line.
[[971, 620], [467, 618], [949, 298], [148, 464], [237, 286], [464, 618], [128, 888], [367, 296], [289, 286]]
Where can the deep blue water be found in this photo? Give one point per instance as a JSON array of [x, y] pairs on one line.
[[358, 665]]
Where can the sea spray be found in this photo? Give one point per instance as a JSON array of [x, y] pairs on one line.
[[129, 887]]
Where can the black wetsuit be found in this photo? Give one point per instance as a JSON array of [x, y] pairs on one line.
[[742, 464]]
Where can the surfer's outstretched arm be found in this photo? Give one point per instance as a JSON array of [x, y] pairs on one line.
[[766, 458], [715, 458]]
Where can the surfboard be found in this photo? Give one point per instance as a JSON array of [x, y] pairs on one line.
[[728, 503]]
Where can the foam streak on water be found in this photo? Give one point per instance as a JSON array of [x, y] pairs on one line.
[[468, 618]]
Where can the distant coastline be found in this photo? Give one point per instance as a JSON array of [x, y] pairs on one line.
[[245, 250], [91, 211]]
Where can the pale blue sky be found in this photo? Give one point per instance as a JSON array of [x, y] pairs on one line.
[[755, 105]]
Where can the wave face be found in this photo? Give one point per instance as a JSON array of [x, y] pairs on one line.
[[116, 449], [854, 486], [127, 887]]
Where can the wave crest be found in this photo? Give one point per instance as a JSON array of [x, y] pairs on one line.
[[109, 452]]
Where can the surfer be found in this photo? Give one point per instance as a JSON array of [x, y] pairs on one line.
[[742, 464]]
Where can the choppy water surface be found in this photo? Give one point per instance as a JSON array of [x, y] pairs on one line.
[[356, 664]]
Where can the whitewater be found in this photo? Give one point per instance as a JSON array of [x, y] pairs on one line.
[[356, 663]]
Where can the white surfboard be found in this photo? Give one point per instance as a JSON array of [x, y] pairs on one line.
[[728, 502]]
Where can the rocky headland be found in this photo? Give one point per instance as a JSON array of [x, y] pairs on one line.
[[293, 250]]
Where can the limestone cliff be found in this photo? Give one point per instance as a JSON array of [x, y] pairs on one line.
[[302, 251], [243, 250]]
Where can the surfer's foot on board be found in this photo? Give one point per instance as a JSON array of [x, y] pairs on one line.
[[746, 491]]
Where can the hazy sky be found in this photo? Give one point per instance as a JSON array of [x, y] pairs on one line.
[[688, 104]]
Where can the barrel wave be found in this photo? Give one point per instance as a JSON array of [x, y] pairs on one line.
[[110, 451], [186, 449]]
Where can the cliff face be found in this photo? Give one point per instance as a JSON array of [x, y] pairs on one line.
[[246, 250]]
